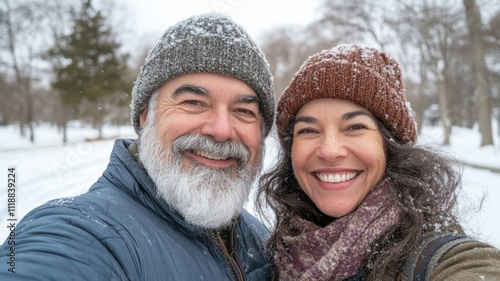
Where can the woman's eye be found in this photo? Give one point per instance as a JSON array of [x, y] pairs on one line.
[[305, 131], [355, 127]]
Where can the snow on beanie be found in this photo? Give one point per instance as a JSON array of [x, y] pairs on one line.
[[364, 76], [210, 43]]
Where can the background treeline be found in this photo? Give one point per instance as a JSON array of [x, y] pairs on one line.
[[63, 60]]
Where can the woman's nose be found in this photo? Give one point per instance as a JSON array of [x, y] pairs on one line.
[[332, 148]]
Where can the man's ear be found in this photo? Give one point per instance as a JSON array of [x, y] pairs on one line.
[[143, 117]]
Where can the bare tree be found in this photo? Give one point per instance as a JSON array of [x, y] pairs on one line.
[[474, 24], [286, 48], [431, 27], [18, 57], [10, 101], [24, 31], [493, 51], [357, 20]]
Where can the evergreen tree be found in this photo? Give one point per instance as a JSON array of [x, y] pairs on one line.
[[89, 70]]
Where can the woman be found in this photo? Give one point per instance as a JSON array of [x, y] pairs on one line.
[[354, 197]]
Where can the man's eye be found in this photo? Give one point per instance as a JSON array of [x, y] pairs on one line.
[[192, 102], [246, 112]]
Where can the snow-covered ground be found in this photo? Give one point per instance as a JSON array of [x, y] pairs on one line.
[[48, 170]]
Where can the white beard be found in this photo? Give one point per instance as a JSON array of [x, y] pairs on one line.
[[204, 196]]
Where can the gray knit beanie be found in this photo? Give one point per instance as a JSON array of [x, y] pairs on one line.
[[210, 43]]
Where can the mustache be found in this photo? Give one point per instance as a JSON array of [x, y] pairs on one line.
[[226, 149]]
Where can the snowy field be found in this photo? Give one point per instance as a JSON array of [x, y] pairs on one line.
[[48, 170]]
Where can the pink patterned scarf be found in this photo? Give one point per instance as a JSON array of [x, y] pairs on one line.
[[339, 250]]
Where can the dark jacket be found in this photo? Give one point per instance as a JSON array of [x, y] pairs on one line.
[[119, 230]]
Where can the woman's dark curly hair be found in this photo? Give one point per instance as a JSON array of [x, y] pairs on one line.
[[424, 183]]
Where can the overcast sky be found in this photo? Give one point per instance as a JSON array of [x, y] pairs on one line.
[[147, 19]]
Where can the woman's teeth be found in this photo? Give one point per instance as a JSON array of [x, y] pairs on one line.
[[335, 178]]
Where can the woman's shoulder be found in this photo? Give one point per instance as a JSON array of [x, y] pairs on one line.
[[470, 260], [451, 256]]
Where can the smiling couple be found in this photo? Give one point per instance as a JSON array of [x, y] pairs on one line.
[[353, 196]]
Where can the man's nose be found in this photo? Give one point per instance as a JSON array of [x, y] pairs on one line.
[[219, 126]]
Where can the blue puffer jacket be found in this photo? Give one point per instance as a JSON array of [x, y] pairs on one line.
[[119, 230]]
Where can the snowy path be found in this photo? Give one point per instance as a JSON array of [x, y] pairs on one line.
[[52, 172]]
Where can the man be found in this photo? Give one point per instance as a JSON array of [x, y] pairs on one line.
[[170, 205]]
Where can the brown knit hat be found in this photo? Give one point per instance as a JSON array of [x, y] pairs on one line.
[[365, 76]]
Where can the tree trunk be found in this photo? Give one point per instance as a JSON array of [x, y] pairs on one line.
[[65, 117], [422, 99], [443, 108], [30, 118], [100, 127], [64, 132], [481, 72], [22, 132]]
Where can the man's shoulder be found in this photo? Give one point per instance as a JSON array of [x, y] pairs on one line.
[[251, 224]]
